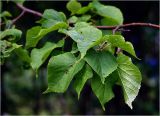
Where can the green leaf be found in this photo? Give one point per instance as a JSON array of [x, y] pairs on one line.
[[130, 78], [23, 54], [84, 18], [19, 1], [119, 41], [30, 37], [73, 6], [6, 48], [109, 12], [54, 15], [103, 63], [36, 33], [104, 91], [81, 78], [74, 48], [5, 14], [73, 19], [11, 34], [61, 70], [38, 56], [83, 10], [85, 35]]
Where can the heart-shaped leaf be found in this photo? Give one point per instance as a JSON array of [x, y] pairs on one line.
[[61, 70], [103, 63]]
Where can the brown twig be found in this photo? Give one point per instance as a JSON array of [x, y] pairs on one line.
[[128, 25], [115, 28], [18, 17], [29, 10]]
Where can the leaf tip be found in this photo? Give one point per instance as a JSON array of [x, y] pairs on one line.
[[103, 108], [130, 104], [46, 91]]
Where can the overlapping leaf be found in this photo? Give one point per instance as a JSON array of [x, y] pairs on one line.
[[61, 70], [23, 54], [52, 17], [30, 37], [130, 78], [103, 63], [38, 56], [11, 35], [104, 91], [35, 34], [85, 35], [81, 78], [119, 41]]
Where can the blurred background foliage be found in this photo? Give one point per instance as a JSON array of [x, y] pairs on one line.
[[21, 92]]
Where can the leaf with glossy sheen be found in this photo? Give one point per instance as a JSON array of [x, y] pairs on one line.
[[12, 34], [36, 34], [130, 78], [119, 41], [73, 6], [103, 63], [61, 70], [38, 56], [111, 13], [81, 78], [86, 36], [104, 91]]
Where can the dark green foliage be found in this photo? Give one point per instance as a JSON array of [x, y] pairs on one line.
[[88, 60]]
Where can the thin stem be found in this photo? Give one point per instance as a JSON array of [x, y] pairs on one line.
[[18, 17], [29, 10], [129, 24]]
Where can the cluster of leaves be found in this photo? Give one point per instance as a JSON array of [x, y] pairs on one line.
[[92, 57]]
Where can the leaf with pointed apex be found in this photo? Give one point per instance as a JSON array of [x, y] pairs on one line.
[[12, 34], [130, 78], [85, 35], [73, 6], [38, 56], [81, 78], [104, 91], [61, 70], [111, 13], [103, 63], [35, 34], [119, 41]]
